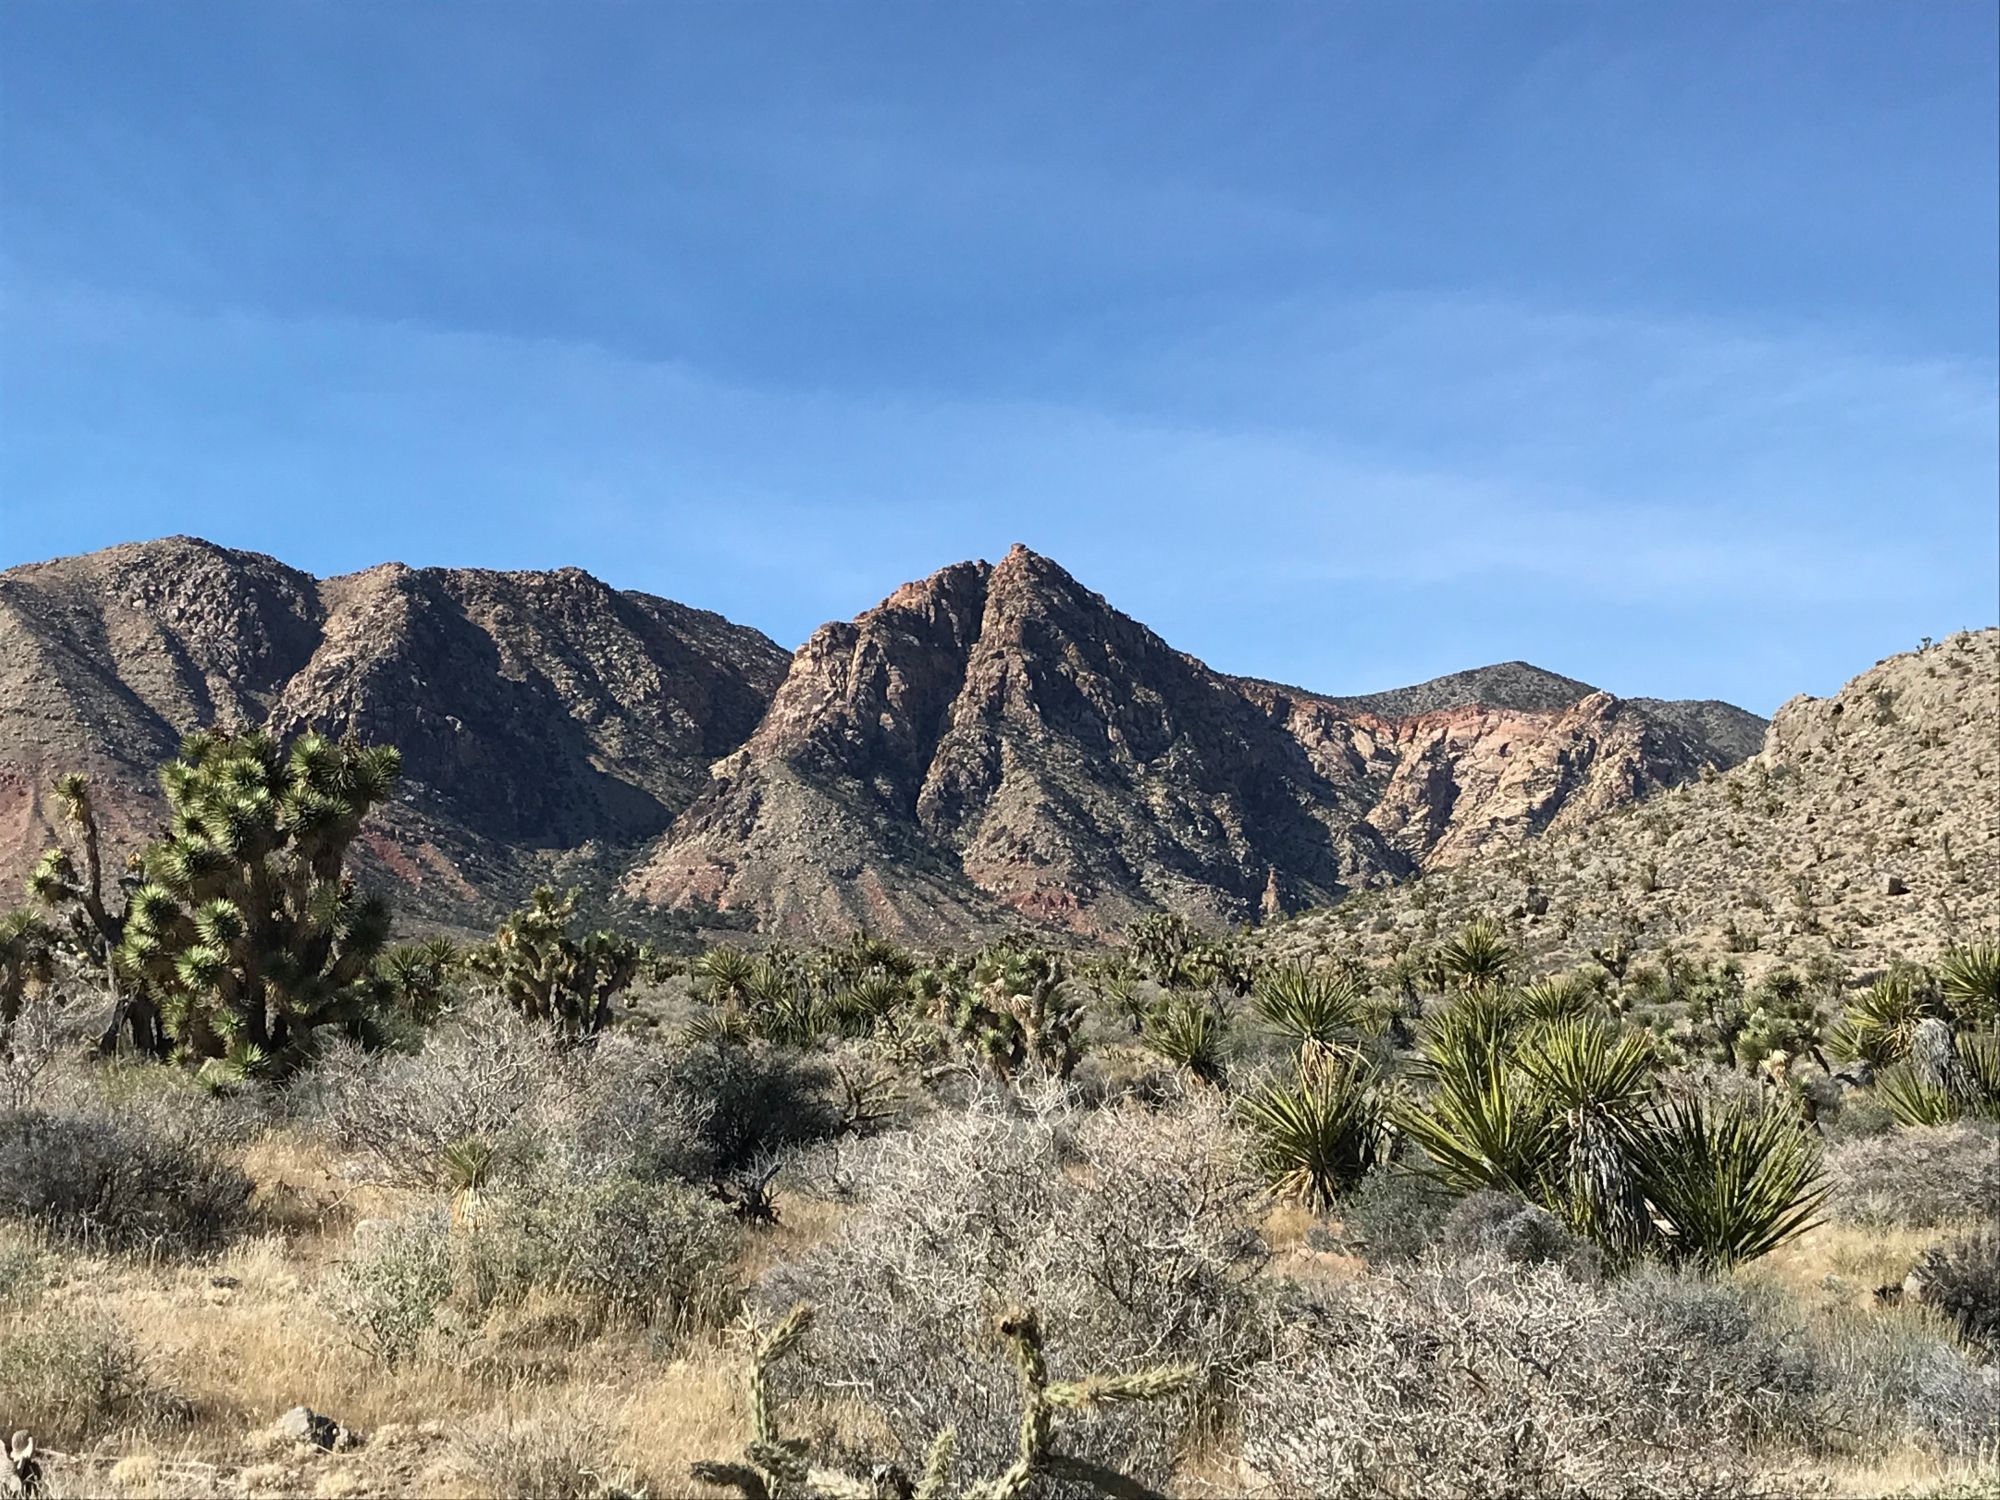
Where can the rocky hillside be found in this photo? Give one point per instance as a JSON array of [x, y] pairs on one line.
[[1867, 828], [999, 742], [991, 745], [539, 714]]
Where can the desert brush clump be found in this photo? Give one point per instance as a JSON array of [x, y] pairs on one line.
[[774, 1466], [1469, 1375], [1922, 1177], [1128, 1229]]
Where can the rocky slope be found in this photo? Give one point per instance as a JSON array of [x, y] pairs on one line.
[[1867, 828], [991, 745], [999, 742], [539, 714]]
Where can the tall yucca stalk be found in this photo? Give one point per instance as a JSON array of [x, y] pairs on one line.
[[1728, 1181]]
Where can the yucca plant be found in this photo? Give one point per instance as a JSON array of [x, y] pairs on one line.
[[1319, 1133], [1593, 1083], [1558, 998], [1191, 1034], [722, 976], [1879, 1025], [1123, 998], [1478, 956], [1728, 1181], [857, 1009], [1482, 1123], [1308, 1005], [1921, 1092], [1915, 1100], [1969, 978]]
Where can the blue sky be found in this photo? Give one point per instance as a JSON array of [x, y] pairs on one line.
[[1343, 344]]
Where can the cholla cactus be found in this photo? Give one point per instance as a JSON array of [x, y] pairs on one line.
[[776, 1467], [248, 931], [552, 977]]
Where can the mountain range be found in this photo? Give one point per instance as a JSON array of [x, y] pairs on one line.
[[989, 746]]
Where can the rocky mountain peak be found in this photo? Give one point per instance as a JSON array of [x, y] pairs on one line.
[[990, 743]]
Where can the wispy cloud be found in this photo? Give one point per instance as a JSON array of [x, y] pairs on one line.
[[1254, 493]]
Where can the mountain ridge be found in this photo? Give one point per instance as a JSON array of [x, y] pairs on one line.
[[990, 744]]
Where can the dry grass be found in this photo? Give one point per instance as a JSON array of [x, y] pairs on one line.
[[1841, 1265]]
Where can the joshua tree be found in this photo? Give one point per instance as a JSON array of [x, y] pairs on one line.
[[93, 929], [27, 960], [550, 976], [248, 932]]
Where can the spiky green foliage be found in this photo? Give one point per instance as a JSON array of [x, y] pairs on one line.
[[1969, 979], [1481, 1124], [1016, 1009], [1192, 1033], [1557, 998], [1478, 956], [1121, 995], [722, 976], [1927, 1089], [1730, 1180], [1591, 1084], [552, 977], [27, 960], [1318, 1133], [1879, 1025], [1306, 1004], [248, 933], [417, 978], [776, 1467]]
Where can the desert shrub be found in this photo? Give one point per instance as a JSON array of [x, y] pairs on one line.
[[1962, 1280], [149, 1174], [386, 1295], [560, 1452], [1744, 1345], [1395, 1215], [757, 1100], [1124, 1229], [68, 1376], [1919, 1177], [1904, 1378], [618, 1251], [1522, 1234], [489, 1075], [623, 1250], [1470, 1377]]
